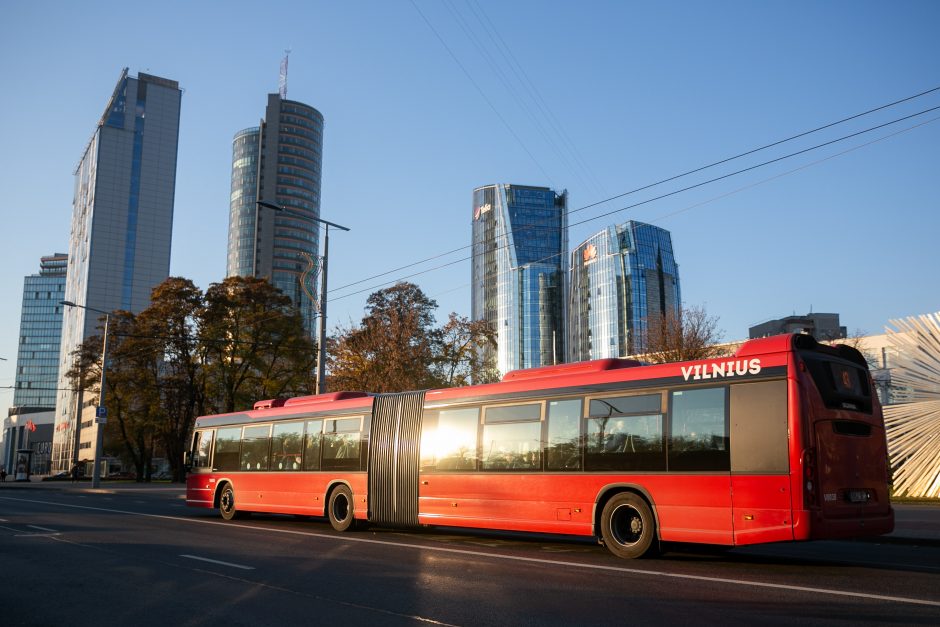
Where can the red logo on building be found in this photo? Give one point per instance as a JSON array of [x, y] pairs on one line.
[[589, 253], [478, 211]]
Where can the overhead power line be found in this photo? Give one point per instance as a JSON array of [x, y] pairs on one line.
[[669, 194], [650, 186], [481, 92]]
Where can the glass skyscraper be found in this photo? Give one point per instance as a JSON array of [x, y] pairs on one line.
[[278, 162], [520, 239], [122, 222], [37, 361], [621, 279]]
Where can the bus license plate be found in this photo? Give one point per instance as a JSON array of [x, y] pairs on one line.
[[858, 496]]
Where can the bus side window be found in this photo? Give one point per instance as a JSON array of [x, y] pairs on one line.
[[625, 433], [698, 430], [312, 445], [227, 448], [563, 449], [341, 444], [759, 433], [256, 448], [202, 447], [512, 437], [449, 439], [287, 446]]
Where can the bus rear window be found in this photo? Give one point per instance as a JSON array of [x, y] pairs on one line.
[[842, 385]]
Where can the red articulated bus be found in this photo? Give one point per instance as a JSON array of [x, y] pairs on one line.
[[783, 441]]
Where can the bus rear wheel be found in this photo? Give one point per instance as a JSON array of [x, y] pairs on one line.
[[340, 509], [227, 504], [627, 526]]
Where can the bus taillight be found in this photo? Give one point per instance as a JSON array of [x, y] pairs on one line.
[[809, 475]]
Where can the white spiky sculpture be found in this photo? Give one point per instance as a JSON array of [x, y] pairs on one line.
[[913, 427]]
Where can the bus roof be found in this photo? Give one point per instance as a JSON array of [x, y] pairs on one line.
[[581, 374]]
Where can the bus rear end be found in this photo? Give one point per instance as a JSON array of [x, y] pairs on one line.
[[845, 454]]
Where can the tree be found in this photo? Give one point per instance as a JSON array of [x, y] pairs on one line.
[[131, 394], [393, 349], [169, 325], [189, 353], [460, 353], [691, 334], [254, 344]]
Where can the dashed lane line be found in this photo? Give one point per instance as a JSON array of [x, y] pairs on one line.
[[206, 559]]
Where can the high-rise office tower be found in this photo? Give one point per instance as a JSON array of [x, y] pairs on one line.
[[278, 162], [520, 240], [37, 361], [122, 221], [621, 279]]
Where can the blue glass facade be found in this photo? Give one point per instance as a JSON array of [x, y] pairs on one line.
[[278, 162], [621, 279], [37, 360], [122, 224], [246, 148], [519, 272]]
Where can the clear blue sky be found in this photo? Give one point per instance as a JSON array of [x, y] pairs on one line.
[[628, 93]]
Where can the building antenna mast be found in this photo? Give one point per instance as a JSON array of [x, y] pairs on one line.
[[282, 79]]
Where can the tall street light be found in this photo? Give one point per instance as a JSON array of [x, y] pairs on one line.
[[321, 341], [101, 414]]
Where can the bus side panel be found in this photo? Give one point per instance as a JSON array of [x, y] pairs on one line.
[[302, 493], [690, 508], [540, 503], [200, 489], [762, 510]]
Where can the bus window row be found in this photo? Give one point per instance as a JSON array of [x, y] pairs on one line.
[[684, 430], [667, 430], [321, 444]]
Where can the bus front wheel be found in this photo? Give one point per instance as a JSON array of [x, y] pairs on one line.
[[340, 508], [227, 503], [627, 526]]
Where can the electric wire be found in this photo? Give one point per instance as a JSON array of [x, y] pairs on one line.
[[481, 92], [533, 91], [748, 186], [666, 195], [660, 182], [509, 86]]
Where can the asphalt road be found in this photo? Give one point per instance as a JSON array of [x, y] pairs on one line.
[[143, 558]]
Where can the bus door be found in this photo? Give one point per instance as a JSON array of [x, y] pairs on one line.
[[760, 481], [393, 459]]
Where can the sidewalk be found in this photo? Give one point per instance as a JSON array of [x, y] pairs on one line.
[[915, 524]]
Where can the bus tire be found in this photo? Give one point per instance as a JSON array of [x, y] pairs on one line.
[[340, 508], [627, 526], [227, 503]]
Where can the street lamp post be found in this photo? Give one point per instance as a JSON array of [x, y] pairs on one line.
[[101, 415], [321, 341]]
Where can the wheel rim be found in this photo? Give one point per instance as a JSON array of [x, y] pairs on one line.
[[340, 507], [227, 502], [626, 525]]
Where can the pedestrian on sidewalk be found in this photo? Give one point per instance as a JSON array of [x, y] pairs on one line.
[[3, 475]]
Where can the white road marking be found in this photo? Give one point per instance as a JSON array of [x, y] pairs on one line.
[[509, 558], [206, 559], [42, 528]]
